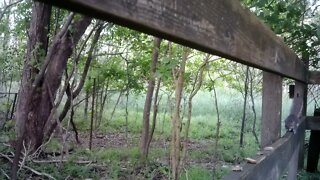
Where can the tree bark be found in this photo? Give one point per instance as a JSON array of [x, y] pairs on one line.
[[148, 101], [195, 89], [30, 97], [92, 112], [155, 113], [51, 125], [218, 122], [104, 97], [115, 106], [86, 104], [39, 86], [26, 106], [253, 108], [244, 107], [175, 138]]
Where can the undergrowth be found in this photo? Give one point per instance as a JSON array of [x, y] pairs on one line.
[[123, 162]]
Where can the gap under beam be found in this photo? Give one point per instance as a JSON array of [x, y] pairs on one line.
[[313, 122], [314, 77]]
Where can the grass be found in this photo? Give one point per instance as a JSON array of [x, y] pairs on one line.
[[203, 126], [120, 162]]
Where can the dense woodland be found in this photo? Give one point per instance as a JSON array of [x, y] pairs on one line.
[[84, 98]]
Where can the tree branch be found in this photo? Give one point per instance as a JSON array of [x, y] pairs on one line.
[[27, 167], [50, 51], [6, 7]]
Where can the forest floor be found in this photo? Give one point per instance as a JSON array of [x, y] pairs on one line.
[[119, 140], [114, 156], [123, 150]]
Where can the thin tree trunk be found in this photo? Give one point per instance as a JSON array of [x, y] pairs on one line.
[[13, 105], [127, 113], [155, 113], [195, 89], [86, 105], [115, 106], [74, 127], [104, 96], [97, 104], [92, 112], [148, 101], [253, 109], [244, 107], [218, 121], [51, 125], [175, 146], [184, 107], [168, 106], [127, 94], [8, 100]]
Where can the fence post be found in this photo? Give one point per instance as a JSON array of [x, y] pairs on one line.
[[271, 108], [298, 108], [303, 88]]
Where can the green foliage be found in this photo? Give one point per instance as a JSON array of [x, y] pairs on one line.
[[295, 21], [69, 169], [303, 175], [54, 145], [197, 173]]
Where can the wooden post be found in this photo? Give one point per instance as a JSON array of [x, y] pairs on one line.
[[298, 108], [302, 89], [314, 147], [271, 108], [293, 165]]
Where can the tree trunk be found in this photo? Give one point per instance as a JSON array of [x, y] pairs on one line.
[[115, 106], [13, 105], [244, 107], [175, 138], [195, 89], [29, 111], [39, 86], [74, 127], [51, 125], [253, 108], [92, 112], [96, 113], [148, 101], [155, 113], [168, 106], [8, 99], [218, 122], [127, 95], [86, 103], [104, 96]]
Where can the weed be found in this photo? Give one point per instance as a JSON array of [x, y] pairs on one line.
[[196, 173]]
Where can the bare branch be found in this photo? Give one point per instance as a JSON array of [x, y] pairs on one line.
[[27, 167], [5, 174], [6, 7]]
